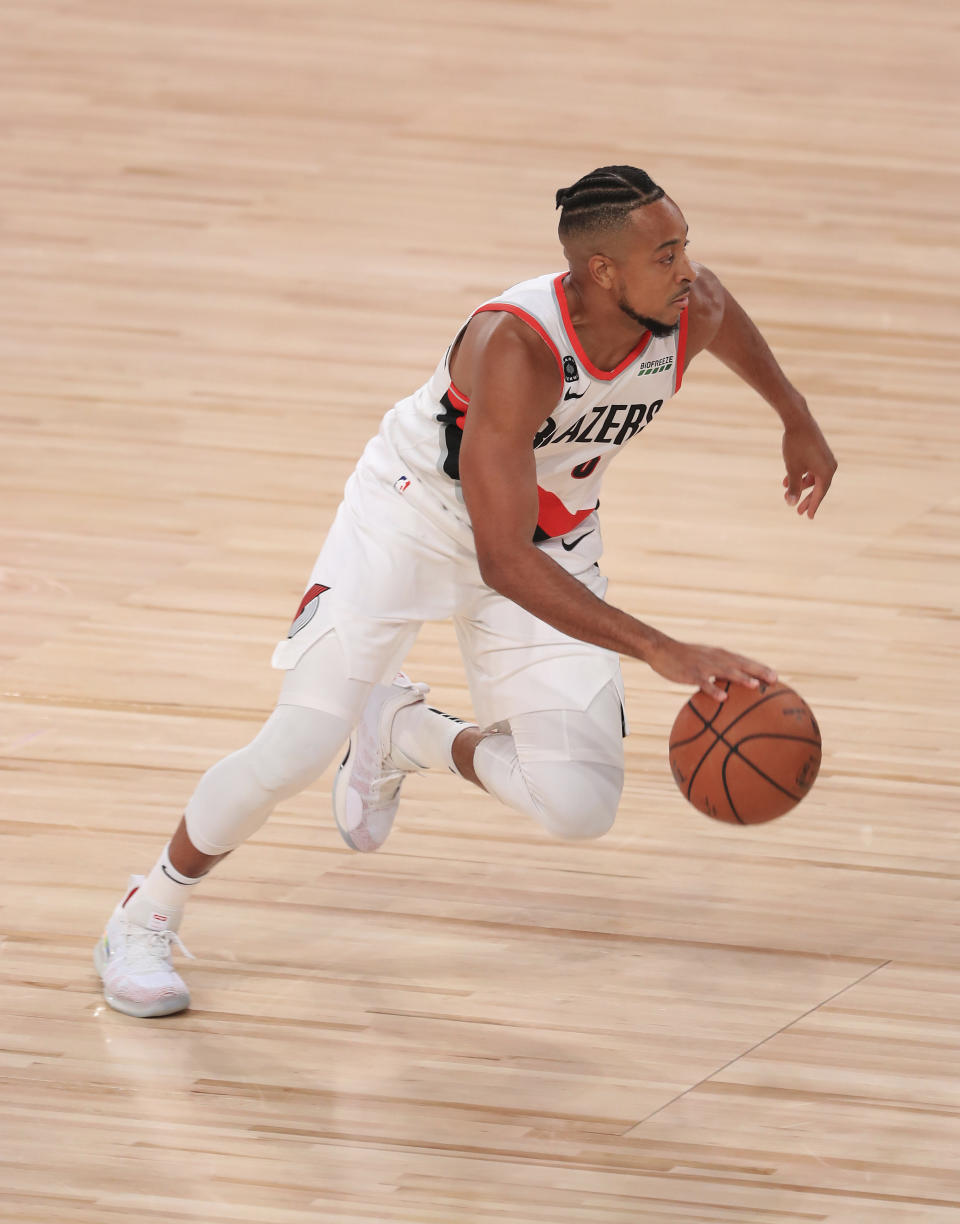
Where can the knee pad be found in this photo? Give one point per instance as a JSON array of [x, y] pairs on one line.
[[235, 797], [572, 761], [576, 800], [295, 745], [563, 767]]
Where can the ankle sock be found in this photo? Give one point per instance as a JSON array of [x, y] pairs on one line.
[[158, 902], [422, 738]]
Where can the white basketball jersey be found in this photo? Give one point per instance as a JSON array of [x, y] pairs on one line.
[[597, 413]]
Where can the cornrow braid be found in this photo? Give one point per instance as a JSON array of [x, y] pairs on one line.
[[604, 198]]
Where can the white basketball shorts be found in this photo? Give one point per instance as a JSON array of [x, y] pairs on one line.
[[396, 556]]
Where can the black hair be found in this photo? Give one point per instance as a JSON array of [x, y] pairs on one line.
[[604, 198]]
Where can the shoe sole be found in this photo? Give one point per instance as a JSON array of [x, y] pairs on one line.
[[144, 1011], [341, 787]]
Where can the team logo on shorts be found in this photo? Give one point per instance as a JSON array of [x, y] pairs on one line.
[[307, 609], [570, 371]]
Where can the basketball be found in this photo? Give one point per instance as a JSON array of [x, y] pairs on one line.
[[748, 759]]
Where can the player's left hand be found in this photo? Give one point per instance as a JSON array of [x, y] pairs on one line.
[[810, 466]]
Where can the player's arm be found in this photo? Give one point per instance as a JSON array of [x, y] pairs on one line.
[[512, 381], [717, 323]]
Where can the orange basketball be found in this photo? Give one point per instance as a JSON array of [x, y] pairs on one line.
[[747, 759]]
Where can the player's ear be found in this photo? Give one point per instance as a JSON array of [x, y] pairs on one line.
[[601, 269]]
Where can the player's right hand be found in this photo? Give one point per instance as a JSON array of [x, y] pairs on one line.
[[704, 665]]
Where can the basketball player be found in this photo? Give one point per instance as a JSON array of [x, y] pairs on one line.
[[477, 501]]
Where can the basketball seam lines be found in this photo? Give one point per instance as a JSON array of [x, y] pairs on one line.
[[706, 724], [723, 779], [796, 739], [735, 749], [689, 740], [749, 710]]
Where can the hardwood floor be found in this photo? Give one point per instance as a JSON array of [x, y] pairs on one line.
[[231, 236]]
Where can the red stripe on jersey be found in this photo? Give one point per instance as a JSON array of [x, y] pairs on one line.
[[530, 321], [457, 398], [592, 370], [681, 349], [554, 519], [135, 888], [456, 402]]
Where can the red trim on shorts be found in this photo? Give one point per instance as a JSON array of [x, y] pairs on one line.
[[681, 349], [529, 319], [592, 370], [135, 888], [554, 519]]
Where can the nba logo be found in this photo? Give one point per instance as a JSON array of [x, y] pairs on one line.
[[401, 484]]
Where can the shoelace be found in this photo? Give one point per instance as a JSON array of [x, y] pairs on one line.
[[145, 948], [384, 790]]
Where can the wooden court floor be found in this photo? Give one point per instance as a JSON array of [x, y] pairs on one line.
[[231, 234]]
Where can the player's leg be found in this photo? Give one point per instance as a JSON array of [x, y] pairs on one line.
[[552, 706], [562, 767], [357, 619], [555, 701], [318, 704]]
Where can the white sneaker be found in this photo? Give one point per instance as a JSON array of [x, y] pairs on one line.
[[136, 967], [366, 790]]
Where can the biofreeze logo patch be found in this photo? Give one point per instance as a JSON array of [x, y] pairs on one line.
[[658, 366]]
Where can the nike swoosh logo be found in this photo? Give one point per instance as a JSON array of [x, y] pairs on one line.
[[194, 880], [567, 547], [573, 395]]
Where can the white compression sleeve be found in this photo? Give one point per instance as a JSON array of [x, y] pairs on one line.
[[235, 796], [319, 704], [562, 767], [573, 799]]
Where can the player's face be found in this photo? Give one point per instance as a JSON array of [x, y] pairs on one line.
[[653, 275]]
